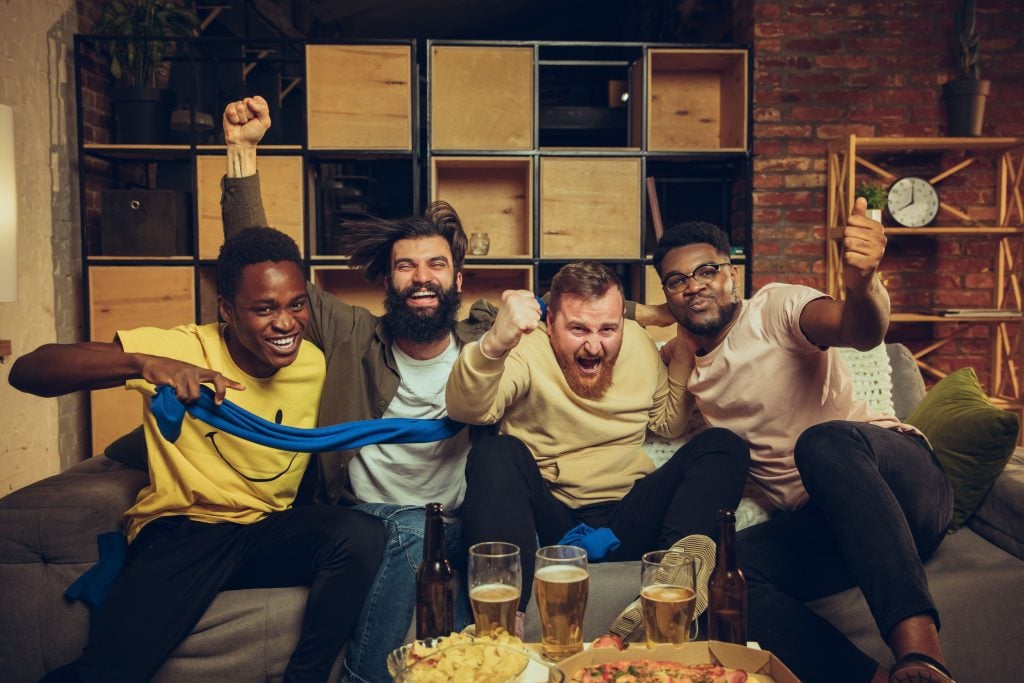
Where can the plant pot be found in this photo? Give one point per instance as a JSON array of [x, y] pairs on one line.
[[142, 115], [875, 214], [965, 106]]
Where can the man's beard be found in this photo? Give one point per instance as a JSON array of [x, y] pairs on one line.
[[420, 326], [712, 328], [592, 388]]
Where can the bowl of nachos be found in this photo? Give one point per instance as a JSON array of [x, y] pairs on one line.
[[463, 658]]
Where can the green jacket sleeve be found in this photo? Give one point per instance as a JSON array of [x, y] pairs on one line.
[[241, 204]]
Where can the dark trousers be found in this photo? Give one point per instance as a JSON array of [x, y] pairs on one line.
[[176, 567], [879, 506], [508, 500]]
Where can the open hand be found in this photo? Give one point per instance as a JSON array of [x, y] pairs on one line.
[[186, 378], [246, 121], [863, 247]]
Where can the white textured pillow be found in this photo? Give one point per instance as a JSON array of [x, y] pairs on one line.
[[872, 376]]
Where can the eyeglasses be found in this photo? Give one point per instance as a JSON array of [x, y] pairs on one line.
[[703, 275]]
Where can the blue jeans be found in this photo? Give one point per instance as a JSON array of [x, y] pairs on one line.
[[879, 506], [391, 603]]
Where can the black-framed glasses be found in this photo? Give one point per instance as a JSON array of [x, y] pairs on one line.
[[702, 274]]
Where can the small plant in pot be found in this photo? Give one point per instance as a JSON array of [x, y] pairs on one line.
[[875, 196], [965, 96], [142, 110]]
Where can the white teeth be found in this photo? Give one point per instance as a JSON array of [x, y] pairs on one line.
[[421, 295], [283, 343]]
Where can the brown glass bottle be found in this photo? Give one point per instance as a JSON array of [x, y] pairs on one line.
[[435, 581], [727, 590]]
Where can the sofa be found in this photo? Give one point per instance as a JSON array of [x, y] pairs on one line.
[[48, 538]]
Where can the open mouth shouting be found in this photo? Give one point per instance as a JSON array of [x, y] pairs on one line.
[[590, 366]]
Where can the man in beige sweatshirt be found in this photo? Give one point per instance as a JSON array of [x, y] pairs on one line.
[[574, 397]]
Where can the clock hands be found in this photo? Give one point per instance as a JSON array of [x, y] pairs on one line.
[[912, 187]]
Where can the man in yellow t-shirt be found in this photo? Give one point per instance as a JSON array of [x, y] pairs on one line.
[[217, 513]]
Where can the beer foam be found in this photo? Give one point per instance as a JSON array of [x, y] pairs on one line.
[[554, 573]]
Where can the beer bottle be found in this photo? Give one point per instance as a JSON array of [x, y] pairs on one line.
[[435, 581], [727, 590]]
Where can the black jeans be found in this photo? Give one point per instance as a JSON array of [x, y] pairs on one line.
[[508, 500], [176, 567], [879, 506]]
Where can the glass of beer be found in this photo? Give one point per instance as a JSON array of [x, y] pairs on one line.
[[495, 584], [561, 583], [668, 596]]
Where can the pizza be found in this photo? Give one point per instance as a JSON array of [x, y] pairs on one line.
[[649, 671]]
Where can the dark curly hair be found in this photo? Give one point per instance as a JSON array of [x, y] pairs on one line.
[[692, 232], [249, 247], [368, 243]]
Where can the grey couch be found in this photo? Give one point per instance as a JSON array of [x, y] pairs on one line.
[[48, 538]]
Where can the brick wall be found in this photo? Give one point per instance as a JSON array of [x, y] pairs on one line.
[[824, 69]]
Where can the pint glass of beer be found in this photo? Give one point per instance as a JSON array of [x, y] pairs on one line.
[[561, 583], [668, 596], [495, 584]]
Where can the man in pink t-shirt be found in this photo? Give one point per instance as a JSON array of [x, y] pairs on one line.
[[862, 500]]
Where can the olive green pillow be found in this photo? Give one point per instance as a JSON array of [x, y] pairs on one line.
[[972, 438]]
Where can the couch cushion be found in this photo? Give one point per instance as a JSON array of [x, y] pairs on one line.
[[1000, 519], [907, 384], [972, 438], [130, 449]]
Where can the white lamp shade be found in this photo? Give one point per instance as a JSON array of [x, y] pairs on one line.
[[8, 209]]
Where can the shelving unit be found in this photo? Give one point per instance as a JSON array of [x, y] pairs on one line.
[[1002, 220], [543, 146], [546, 147]]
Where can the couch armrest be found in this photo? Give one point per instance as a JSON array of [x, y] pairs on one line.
[[1000, 519], [56, 520]]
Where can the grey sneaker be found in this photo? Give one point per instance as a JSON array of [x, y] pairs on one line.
[[628, 624]]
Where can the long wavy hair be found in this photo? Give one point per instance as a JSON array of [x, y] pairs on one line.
[[368, 243]]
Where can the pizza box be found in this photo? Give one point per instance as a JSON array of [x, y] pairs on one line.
[[709, 652]]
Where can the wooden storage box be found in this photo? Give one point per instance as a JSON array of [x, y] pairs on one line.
[[481, 98], [590, 207], [350, 286], [697, 100], [488, 282], [280, 185], [359, 96], [123, 298], [145, 222], [493, 195]]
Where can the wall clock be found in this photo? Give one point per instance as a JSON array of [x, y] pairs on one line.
[[912, 202]]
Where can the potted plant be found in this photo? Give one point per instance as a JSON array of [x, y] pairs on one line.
[[142, 110], [965, 96], [875, 196]]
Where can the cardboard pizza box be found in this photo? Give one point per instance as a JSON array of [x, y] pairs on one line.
[[710, 652]]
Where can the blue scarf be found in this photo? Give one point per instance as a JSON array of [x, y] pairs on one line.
[[236, 421]]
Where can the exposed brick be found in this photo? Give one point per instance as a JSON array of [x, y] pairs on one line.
[[781, 131], [847, 61], [804, 180], [785, 163], [816, 45]]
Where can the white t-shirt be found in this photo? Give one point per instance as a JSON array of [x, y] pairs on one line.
[[417, 473], [768, 383]]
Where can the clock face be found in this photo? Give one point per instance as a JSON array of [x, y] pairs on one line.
[[913, 202]]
